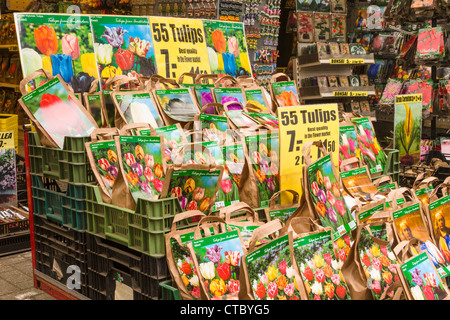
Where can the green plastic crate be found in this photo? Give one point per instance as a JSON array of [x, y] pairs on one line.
[[69, 164], [142, 230], [66, 205], [168, 291], [392, 165]]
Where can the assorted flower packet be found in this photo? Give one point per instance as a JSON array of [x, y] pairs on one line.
[[422, 279], [430, 44], [56, 111], [339, 26], [219, 259], [408, 224], [177, 104], [270, 271], [174, 139], [438, 214], [327, 198], [143, 165], [265, 119], [426, 89], [224, 95], [123, 46], [263, 151], [195, 188], [285, 93], [359, 184], [372, 154], [257, 98], [377, 260], [214, 128], [104, 155], [138, 107], [319, 267], [348, 144]]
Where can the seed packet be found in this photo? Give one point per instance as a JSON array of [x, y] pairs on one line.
[[257, 98], [366, 41], [361, 19], [334, 48], [265, 119], [321, 26], [422, 278], [364, 79], [12, 73], [142, 164], [345, 48], [359, 183], [338, 26], [202, 93], [224, 95], [343, 81], [375, 17], [322, 82], [426, 89], [339, 6], [332, 81], [437, 216], [104, 154], [430, 44], [372, 154], [356, 48], [393, 88], [240, 120], [305, 27], [322, 49], [307, 5], [315, 258], [176, 105], [323, 6], [354, 80], [218, 257], [355, 106], [365, 106], [285, 93]]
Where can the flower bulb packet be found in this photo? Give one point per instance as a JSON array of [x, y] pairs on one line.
[[143, 165], [177, 104], [359, 184], [213, 127], [257, 98], [104, 155], [96, 106], [285, 93], [318, 266], [348, 143], [422, 279], [224, 95], [218, 258], [266, 119], [202, 92], [137, 107], [57, 112]]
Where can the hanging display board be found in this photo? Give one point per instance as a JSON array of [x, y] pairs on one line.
[[299, 125]]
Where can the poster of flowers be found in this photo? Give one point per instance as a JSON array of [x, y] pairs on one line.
[[58, 43], [263, 151], [224, 95], [270, 272], [256, 98], [285, 93], [177, 104], [372, 154], [378, 261], [359, 184], [196, 189], [57, 113], [8, 183], [348, 145], [408, 224], [143, 165], [106, 162], [319, 268], [138, 107], [219, 260], [123, 46], [408, 128], [422, 279], [326, 195], [227, 48]]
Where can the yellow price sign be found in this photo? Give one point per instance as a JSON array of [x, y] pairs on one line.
[[347, 61], [349, 93], [299, 125], [180, 46], [408, 98], [7, 140]]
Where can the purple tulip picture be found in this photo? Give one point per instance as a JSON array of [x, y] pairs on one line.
[[114, 36]]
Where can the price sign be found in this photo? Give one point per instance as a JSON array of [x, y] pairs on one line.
[[180, 46], [7, 140], [297, 126], [349, 93], [347, 61]]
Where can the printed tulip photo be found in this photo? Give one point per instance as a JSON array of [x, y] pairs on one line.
[[225, 95], [423, 280], [256, 98], [60, 44], [265, 119], [123, 46], [219, 260], [378, 261], [143, 165], [270, 272], [285, 93], [227, 49], [106, 162], [214, 128], [320, 269], [138, 108], [348, 145]]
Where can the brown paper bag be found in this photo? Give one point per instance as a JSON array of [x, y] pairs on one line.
[[95, 104], [423, 187], [283, 212]]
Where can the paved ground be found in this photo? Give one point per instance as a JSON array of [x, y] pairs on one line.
[[16, 279]]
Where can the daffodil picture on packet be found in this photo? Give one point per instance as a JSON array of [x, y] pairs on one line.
[[60, 44], [123, 46]]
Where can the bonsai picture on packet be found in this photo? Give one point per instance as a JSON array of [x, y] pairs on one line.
[[319, 268], [219, 259], [143, 165], [227, 48], [123, 46], [60, 44], [270, 272], [57, 113]]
